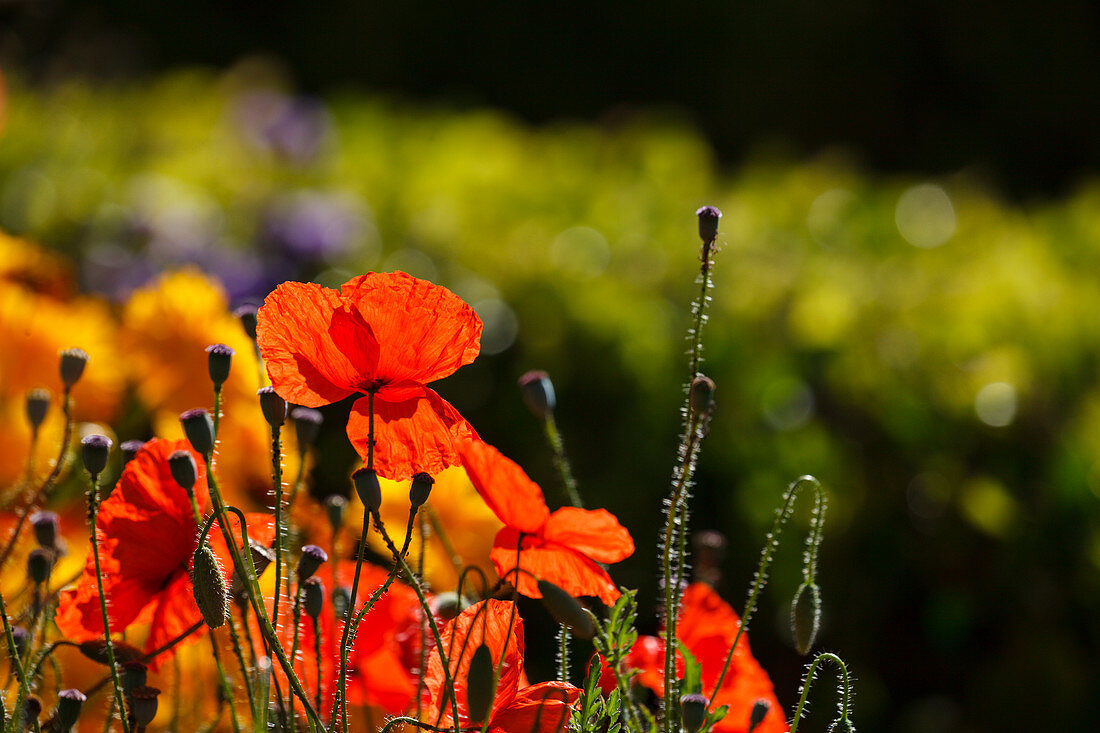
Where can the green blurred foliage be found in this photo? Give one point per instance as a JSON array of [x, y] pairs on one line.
[[924, 349]]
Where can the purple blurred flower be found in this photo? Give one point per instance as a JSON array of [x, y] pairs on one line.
[[295, 128], [312, 226]]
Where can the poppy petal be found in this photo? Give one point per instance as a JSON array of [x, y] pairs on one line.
[[592, 532], [571, 571], [541, 708], [302, 346], [174, 613], [416, 435], [514, 498], [428, 331]]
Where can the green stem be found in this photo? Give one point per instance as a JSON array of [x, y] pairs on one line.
[[223, 680], [423, 662], [561, 461], [238, 652], [317, 657], [844, 689], [296, 620], [563, 654]]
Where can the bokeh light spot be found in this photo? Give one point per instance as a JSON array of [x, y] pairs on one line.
[[995, 404], [925, 216]]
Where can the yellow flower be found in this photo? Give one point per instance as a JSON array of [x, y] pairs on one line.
[[40, 270]]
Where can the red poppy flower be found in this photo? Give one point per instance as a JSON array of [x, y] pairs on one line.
[[387, 333], [541, 708], [707, 626], [147, 534], [565, 547]]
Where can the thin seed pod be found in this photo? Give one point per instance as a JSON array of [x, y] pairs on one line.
[[806, 616], [479, 685]]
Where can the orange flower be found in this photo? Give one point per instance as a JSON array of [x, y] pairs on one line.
[[707, 627], [515, 708], [147, 534], [564, 548], [386, 333]]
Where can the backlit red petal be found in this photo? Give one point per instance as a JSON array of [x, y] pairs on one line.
[[514, 498], [541, 708], [592, 532], [574, 573], [174, 613]]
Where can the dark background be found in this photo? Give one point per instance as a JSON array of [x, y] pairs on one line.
[[923, 86]]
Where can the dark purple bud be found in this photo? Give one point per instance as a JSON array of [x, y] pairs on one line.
[[134, 675], [95, 450], [38, 404], [307, 425], [73, 362], [708, 223], [219, 361], [314, 592], [143, 705], [181, 464], [693, 711], [198, 426], [247, 314], [39, 564], [368, 488], [336, 505], [538, 393], [46, 528], [130, 449], [312, 558], [701, 396], [32, 708], [22, 639], [273, 406], [69, 703], [760, 710], [421, 488]]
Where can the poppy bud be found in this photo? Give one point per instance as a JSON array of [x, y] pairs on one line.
[[73, 362], [45, 525], [708, 223], [538, 393], [208, 586], [307, 426], [143, 705], [448, 605], [95, 450], [760, 710], [32, 708], [842, 726], [198, 426], [421, 488], [134, 675], [479, 684], [69, 703], [693, 711], [247, 315], [22, 639], [273, 406], [314, 591], [341, 599], [336, 505], [130, 449], [701, 396], [806, 616], [38, 404], [181, 464], [96, 650], [368, 488], [566, 610], [262, 557], [39, 565], [219, 358], [311, 559]]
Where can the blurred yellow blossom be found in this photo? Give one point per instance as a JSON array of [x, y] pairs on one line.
[[43, 271]]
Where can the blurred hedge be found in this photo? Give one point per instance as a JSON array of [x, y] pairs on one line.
[[924, 349]]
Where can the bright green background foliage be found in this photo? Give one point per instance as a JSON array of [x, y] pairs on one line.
[[925, 349]]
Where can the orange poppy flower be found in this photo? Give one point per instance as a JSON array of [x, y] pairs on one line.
[[565, 547], [386, 333], [541, 708], [707, 626], [147, 535]]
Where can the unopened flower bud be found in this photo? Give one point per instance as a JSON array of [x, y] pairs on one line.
[[134, 675], [447, 605], [39, 564], [143, 705], [760, 710], [32, 708], [38, 404], [307, 426], [262, 557], [95, 450], [842, 726], [69, 703], [708, 223], [247, 315], [538, 393], [312, 558], [693, 711], [198, 426], [479, 684], [341, 599], [46, 528], [96, 650], [421, 488], [806, 616], [129, 449], [73, 362], [368, 488], [313, 591], [701, 396], [335, 506], [273, 406], [208, 586], [22, 639], [566, 610], [219, 359], [181, 464]]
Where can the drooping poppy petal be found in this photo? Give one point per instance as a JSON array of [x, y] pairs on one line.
[[514, 498], [174, 612], [420, 434], [541, 708], [571, 571], [429, 331], [300, 346], [592, 532]]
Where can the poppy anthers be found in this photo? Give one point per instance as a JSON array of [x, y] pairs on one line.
[[386, 334], [565, 547], [514, 709]]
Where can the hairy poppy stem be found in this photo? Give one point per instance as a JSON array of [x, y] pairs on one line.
[[561, 461], [563, 654], [223, 680], [93, 512], [296, 620], [317, 656], [844, 689]]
